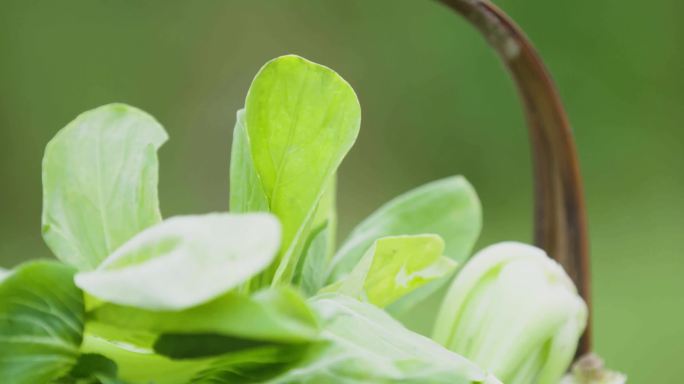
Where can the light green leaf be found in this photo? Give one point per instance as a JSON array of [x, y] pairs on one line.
[[41, 323], [320, 247], [246, 192], [395, 266], [513, 310], [365, 345], [185, 261], [360, 344], [100, 176], [276, 314], [448, 207], [302, 119]]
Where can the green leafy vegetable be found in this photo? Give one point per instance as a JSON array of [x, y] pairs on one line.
[[514, 311], [395, 266], [302, 119], [100, 177], [259, 295], [41, 323], [185, 261]]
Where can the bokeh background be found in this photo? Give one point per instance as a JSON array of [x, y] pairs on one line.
[[435, 102]]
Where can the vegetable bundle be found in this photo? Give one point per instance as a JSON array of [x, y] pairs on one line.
[[262, 294]]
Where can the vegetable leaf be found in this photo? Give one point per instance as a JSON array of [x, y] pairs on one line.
[[276, 314], [320, 247], [312, 267], [513, 310], [94, 368], [246, 193], [259, 365], [100, 176], [184, 346], [185, 261], [41, 323], [365, 345], [302, 119], [395, 266], [448, 207], [360, 344], [139, 363]]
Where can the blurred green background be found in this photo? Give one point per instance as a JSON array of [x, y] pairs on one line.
[[435, 100]]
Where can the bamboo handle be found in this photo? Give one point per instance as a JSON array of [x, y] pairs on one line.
[[559, 212]]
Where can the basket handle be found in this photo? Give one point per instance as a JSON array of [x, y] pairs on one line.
[[559, 211]]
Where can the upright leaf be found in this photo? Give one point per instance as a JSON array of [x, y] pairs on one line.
[[246, 192], [320, 246], [395, 266], [41, 323], [100, 176], [310, 275], [302, 119], [513, 310], [185, 261]]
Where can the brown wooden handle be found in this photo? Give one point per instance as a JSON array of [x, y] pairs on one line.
[[559, 212]]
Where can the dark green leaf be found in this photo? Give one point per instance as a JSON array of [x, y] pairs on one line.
[[185, 346], [94, 369], [41, 323]]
